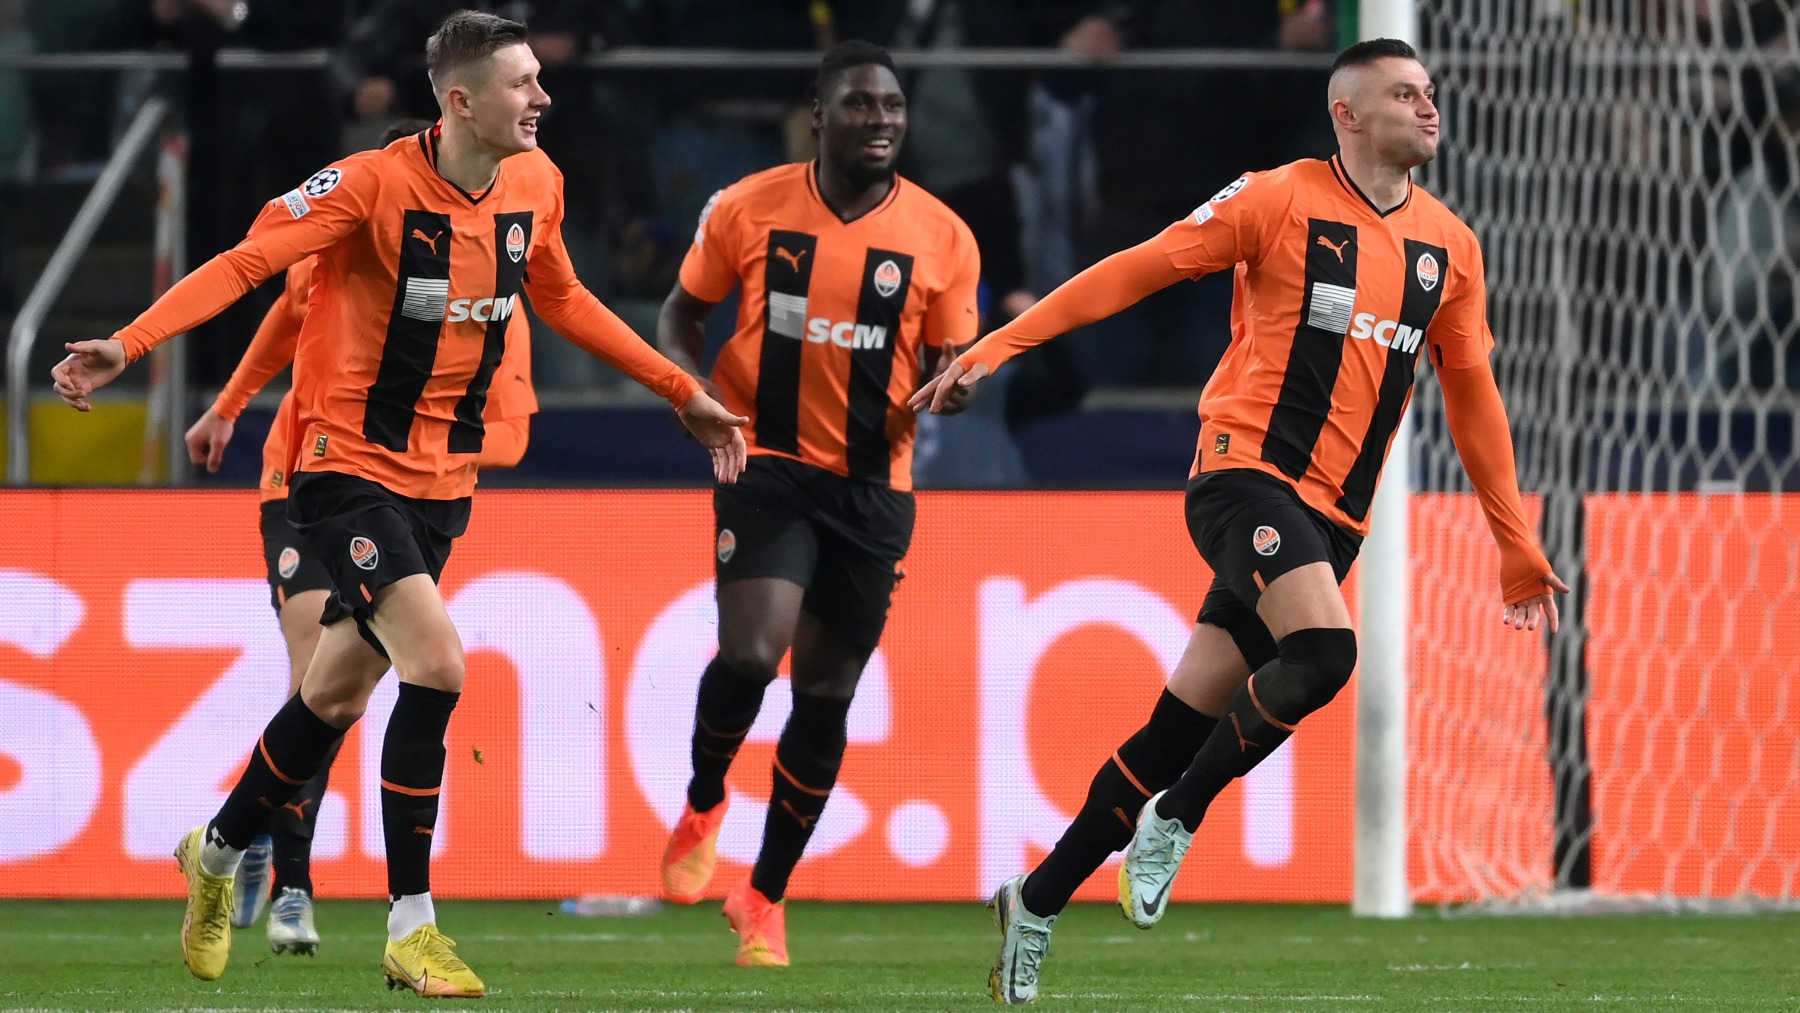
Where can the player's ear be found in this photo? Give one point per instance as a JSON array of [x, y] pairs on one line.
[[456, 100], [818, 117]]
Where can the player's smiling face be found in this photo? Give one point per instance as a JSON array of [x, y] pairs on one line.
[[504, 106], [861, 122], [1400, 112]]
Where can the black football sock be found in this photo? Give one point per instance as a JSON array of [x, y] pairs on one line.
[[724, 710], [294, 746], [1146, 763], [806, 766], [412, 775], [291, 831], [1313, 666]]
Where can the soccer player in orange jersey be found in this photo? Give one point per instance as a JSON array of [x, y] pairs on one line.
[[850, 275], [298, 581], [423, 249], [1346, 273]]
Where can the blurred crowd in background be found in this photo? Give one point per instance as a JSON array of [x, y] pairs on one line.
[[1052, 170], [1054, 163]]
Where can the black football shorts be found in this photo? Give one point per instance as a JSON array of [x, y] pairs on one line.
[[369, 537], [841, 539], [1251, 528], [293, 568]]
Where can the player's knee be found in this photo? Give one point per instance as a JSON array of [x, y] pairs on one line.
[[832, 683], [339, 710], [755, 661], [438, 667], [1316, 665]]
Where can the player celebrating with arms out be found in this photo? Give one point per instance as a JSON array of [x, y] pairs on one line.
[[1346, 273], [848, 273], [299, 584], [423, 250]]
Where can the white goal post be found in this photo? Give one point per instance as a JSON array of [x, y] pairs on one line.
[[1633, 173]]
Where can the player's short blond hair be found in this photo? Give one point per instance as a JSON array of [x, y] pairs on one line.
[[464, 38]]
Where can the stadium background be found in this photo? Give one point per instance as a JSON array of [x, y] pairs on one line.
[[136, 652]]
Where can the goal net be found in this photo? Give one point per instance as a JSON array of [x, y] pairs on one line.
[[1633, 171]]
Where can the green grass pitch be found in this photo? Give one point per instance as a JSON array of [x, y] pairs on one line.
[[124, 956]]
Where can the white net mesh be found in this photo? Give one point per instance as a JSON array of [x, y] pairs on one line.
[[1633, 170]]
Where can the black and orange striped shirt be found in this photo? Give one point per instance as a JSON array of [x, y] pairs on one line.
[[1334, 303], [511, 397], [833, 315], [414, 288]]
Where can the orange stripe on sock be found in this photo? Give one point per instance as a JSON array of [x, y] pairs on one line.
[[708, 729], [1260, 709], [264, 750], [416, 792], [1135, 783], [783, 771]]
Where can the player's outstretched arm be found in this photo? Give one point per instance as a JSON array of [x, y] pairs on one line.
[[1096, 293], [1477, 421], [714, 425], [89, 366], [271, 350]]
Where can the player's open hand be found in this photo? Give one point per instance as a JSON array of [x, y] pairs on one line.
[[939, 390], [1536, 610], [717, 427], [90, 366], [207, 438]]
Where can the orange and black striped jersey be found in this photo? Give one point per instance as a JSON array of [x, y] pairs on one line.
[[833, 315], [271, 350], [1334, 302], [409, 309]]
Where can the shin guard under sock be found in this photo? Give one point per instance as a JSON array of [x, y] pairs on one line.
[[293, 747], [1146, 763], [1314, 664], [724, 710], [412, 774], [291, 831], [806, 766]]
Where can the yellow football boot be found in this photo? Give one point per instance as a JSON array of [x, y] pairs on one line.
[[426, 962], [206, 928]]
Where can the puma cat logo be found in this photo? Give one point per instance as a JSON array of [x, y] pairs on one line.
[[793, 259]]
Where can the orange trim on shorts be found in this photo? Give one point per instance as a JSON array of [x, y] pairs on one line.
[[280, 595], [1135, 783], [819, 793], [264, 750], [415, 792], [1256, 575], [364, 588], [1250, 685]]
